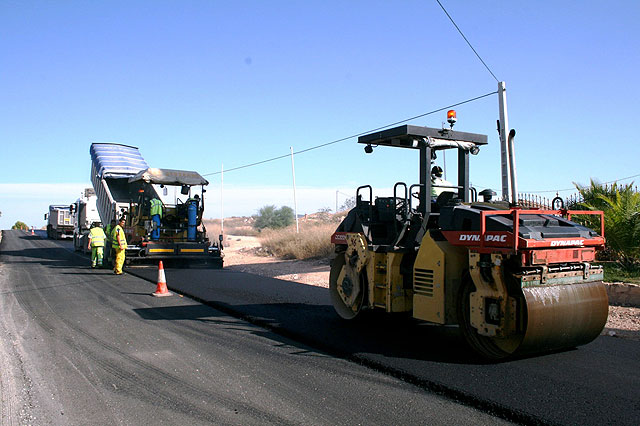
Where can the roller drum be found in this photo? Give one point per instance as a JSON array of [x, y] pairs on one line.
[[345, 288], [563, 316]]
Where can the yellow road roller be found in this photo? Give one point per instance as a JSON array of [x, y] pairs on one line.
[[515, 280]]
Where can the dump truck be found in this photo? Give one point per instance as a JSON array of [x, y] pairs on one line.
[[59, 221], [514, 281], [127, 187], [84, 212]]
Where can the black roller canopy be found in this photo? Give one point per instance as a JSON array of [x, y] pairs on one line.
[[409, 136]]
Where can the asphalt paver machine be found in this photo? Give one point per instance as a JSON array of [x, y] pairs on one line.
[[127, 187]]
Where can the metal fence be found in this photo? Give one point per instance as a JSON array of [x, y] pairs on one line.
[[535, 201]]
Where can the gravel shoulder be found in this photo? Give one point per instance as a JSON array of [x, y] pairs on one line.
[[243, 254]]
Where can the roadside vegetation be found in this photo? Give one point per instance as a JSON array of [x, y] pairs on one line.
[[614, 273], [20, 225], [313, 241], [621, 207], [239, 226], [273, 218]]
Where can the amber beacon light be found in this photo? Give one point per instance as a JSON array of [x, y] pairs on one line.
[[451, 117]]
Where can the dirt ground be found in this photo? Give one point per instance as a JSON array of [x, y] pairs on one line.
[[244, 254]]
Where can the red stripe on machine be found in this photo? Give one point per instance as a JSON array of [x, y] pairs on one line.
[[339, 238]]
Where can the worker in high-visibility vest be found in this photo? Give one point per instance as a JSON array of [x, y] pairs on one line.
[[438, 185], [119, 245], [96, 244], [156, 215], [108, 247]]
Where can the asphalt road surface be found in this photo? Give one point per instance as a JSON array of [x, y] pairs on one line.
[[81, 346], [595, 384]]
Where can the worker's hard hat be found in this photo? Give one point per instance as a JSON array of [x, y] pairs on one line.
[[436, 171]]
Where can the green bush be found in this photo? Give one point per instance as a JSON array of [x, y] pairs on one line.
[[20, 225], [348, 204], [613, 272], [270, 217]]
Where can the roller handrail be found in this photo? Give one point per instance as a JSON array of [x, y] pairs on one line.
[[406, 193]]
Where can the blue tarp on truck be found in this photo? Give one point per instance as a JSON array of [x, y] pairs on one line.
[[111, 160], [112, 165]]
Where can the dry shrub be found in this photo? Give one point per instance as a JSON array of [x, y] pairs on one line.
[[313, 241], [242, 226], [213, 228]]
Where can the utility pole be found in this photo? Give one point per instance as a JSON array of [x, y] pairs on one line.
[[295, 203], [222, 199]]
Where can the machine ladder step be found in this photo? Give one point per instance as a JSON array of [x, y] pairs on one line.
[[380, 295], [380, 287]]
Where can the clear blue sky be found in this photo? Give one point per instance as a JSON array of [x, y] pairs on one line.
[[194, 84]]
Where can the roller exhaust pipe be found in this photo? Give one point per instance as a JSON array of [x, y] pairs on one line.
[[507, 152], [512, 167]]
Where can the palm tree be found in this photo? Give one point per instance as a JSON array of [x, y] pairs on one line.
[[621, 206]]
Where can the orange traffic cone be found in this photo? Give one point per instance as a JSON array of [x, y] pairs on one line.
[[32, 233], [161, 290]]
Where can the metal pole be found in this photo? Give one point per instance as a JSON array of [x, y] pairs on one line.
[[336, 201], [222, 199], [444, 164], [295, 203], [512, 167], [504, 150]]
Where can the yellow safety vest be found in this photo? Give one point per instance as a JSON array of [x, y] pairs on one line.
[[118, 237], [97, 236], [107, 232], [156, 207]]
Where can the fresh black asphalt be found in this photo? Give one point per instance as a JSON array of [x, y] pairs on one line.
[[81, 346], [595, 384], [51, 291]]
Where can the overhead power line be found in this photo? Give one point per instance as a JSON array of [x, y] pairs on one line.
[[465, 39], [352, 136]]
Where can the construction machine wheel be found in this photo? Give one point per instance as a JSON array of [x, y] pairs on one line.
[[491, 348], [346, 287], [551, 318]]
